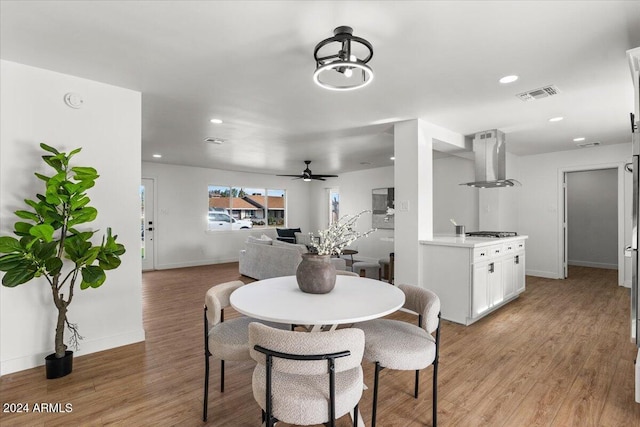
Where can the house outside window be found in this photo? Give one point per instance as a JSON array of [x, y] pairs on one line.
[[245, 207]]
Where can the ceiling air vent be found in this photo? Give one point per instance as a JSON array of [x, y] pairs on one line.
[[588, 144], [214, 140], [543, 92]]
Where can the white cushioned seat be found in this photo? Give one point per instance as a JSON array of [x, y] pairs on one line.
[[300, 388], [225, 339], [398, 345], [404, 346]]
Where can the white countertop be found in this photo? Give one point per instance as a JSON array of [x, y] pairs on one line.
[[468, 242]]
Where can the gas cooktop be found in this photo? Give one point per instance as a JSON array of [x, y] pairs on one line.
[[495, 234]]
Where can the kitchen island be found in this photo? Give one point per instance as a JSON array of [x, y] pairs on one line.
[[473, 276]]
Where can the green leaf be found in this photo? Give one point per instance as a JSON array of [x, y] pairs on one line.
[[46, 250], [53, 162], [83, 173], [74, 152], [11, 261], [17, 276], [53, 266], [109, 262], [27, 215], [90, 256], [9, 245], [93, 276], [22, 228], [42, 177], [86, 214], [76, 248], [42, 231], [48, 148]]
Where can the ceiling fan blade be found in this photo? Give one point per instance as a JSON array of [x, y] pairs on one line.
[[324, 176], [317, 178], [296, 176]]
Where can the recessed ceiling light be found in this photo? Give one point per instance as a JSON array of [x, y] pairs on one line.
[[556, 119], [157, 156], [508, 79], [579, 139], [392, 158], [216, 121]]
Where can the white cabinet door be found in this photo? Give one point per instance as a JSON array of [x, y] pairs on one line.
[[495, 285], [519, 271], [480, 289], [508, 276]]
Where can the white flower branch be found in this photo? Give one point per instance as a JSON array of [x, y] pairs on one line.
[[339, 235]]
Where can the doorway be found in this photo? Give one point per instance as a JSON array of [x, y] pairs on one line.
[[147, 225], [593, 219]]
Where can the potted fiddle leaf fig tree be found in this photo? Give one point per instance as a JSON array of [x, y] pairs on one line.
[[53, 242]]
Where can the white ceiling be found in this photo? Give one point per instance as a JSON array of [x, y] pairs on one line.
[[250, 64]]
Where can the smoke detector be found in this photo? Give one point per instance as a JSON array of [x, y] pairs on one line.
[[214, 140], [542, 92]]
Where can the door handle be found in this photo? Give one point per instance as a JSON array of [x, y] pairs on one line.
[[628, 167], [150, 229]]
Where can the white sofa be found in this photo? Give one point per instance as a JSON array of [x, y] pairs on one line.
[[263, 259]]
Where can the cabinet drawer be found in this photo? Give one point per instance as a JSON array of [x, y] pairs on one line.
[[487, 252], [519, 245]]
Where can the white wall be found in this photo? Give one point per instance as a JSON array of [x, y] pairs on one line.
[[592, 218], [452, 200], [108, 128], [180, 232], [355, 196], [539, 201]]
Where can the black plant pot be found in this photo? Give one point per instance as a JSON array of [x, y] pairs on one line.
[[59, 367]]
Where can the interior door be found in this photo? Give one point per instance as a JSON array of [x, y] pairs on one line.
[[147, 225]]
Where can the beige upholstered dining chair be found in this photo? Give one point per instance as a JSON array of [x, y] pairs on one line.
[[403, 346], [306, 378], [224, 340]]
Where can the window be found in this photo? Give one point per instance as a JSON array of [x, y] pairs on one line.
[[238, 208], [334, 205]]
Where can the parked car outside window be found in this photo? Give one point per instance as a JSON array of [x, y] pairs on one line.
[[224, 221]]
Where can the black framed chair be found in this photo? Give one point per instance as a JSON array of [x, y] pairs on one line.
[[224, 340], [403, 346], [306, 378]]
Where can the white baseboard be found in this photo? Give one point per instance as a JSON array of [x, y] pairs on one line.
[[608, 266], [194, 263], [543, 274], [86, 347]]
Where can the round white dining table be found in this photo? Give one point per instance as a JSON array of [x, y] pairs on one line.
[[354, 299]]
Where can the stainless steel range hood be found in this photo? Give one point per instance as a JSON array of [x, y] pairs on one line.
[[490, 161]]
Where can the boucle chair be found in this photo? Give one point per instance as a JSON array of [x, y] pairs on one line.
[[224, 340], [402, 346], [306, 378]]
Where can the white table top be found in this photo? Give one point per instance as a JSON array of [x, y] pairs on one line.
[[354, 299]]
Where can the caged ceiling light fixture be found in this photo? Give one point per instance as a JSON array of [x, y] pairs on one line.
[[347, 69]]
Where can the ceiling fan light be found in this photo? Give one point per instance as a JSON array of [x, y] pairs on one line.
[[306, 179]]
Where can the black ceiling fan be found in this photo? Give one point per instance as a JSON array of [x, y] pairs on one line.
[[307, 175]]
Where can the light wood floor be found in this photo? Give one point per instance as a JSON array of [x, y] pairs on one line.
[[558, 356]]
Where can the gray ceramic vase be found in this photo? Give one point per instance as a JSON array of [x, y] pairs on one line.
[[316, 274]]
